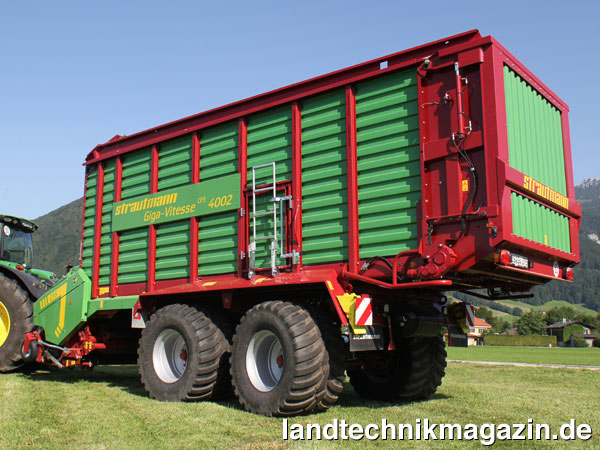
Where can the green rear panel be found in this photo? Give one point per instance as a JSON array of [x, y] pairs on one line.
[[173, 239], [538, 223], [389, 170], [133, 244], [89, 220], [324, 181], [269, 140], [217, 234], [108, 198], [535, 141], [535, 147]]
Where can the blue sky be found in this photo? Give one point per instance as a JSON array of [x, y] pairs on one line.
[[75, 73]]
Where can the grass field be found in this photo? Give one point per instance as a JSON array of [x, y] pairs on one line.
[[548, 306], [108, 409], [537, 355]]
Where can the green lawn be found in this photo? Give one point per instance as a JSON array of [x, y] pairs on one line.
[[539, 355], [108, 409]]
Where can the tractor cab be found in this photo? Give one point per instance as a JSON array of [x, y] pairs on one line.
[[16, 245], [16, 248]]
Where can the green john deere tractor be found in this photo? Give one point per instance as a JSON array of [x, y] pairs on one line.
[[20, 286]]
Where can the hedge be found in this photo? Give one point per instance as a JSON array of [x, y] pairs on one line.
[[532, 340]]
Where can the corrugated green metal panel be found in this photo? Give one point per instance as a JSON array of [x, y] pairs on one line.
[[133, 256], [217, 244], [175, 163], [133, 244], [173, 250], [217, 234], [269, 140], [535, 140], [324, 186], [136, 174], [88, 222], [538, 223], [108, 198], [389, 171], [219, 151]]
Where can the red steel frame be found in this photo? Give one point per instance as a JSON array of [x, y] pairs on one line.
[[352, 176], [97, 229], [194, 220], [480, 55], [114, 264], [296, 241], [152, 228]]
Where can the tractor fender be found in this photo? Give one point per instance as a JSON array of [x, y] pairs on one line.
[[28, 281]]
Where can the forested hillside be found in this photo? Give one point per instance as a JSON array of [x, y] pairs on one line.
[[56, 243]]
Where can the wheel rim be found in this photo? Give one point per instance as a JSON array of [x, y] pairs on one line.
[[264, 361], [169, 356], [4, 324]]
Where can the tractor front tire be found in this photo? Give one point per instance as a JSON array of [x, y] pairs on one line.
[[412, 372], [180, 353], [276, 360], [16, 320]]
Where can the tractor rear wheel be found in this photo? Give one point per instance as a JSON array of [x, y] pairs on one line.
[[276, 360], [413, 372], [16, 320], [180, 354]]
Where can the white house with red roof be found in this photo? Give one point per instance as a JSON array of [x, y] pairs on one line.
[[476, 331], [473, 337]]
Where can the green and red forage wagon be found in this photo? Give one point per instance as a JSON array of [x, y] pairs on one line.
[[278, 243]]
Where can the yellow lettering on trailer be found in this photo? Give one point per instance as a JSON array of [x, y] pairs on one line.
[[545, 192]]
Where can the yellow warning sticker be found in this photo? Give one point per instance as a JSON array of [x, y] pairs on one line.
[[465, 185]]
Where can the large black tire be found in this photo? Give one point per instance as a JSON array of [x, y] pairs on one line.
[[223, 387], [413, 372], [16, 320], [333, 366], [180, 354], [276, 360]]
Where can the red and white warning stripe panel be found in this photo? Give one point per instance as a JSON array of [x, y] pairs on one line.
[[363, 314]]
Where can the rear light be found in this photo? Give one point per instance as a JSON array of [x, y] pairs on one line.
[[507, 258], [569, 275], [504, 257], [20, 267]]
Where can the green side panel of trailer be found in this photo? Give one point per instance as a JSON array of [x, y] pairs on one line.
[[217, 233], [389, 170], [175, 163], [534, 221], [88, 221], [173, 250], [108, 198], [133, 244], [535, 139], [217, 244], [324, 180], [173, 239], [269, 140]]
